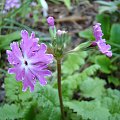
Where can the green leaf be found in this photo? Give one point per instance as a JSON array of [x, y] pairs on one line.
[[110, 101], [67, 3], [104, 63], [105, 3], [107, 6], [110, 9], [48, 101], [14, 89], [114, 94], [24, 100], [81, 47], [29, 110], [90, 71], [114, 80], [89, 110], [115, 34], [115, 117], [9, 112], [105, 24], [14, 111], [92, 87], [72, 116], [55, 1], [69, 66], [5, 40], [87, 34], [70, 84]]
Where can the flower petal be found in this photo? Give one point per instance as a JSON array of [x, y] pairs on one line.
[[41, 58], [43, 48], [15, 55], [109, 54], [18, 71], [28, 81]]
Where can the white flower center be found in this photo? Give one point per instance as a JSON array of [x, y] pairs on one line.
[[26, 64]]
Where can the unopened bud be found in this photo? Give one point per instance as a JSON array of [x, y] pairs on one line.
[[60, 32], [50, 21]]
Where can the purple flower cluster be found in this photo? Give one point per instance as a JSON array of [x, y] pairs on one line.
[[12, 4], [29, 61], [101, 43]]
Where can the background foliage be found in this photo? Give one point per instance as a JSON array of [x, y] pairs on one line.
[[90, 81]]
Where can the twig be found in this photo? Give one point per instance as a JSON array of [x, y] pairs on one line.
[[72, 19]]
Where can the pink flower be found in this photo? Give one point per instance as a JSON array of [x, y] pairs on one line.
[[29, 61], [101, 43], [97, 32], [104, 48]]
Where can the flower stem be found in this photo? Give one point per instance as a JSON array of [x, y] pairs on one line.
[[59, 88]]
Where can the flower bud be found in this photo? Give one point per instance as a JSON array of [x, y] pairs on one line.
[[60, 32], [50, 21], [93, 44]]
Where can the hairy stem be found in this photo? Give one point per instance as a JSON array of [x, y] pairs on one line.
[[59, 88]]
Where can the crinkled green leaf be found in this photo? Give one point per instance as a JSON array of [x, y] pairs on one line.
[[111, 101], [9, 112], [14, 89], [89, 110], [69, 85], [115, 117], [89, 71], [73, 62], [92, 87], [29, 110], [71, 82], [48, 101]]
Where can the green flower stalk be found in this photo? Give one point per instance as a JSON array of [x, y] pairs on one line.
[[58, 44]]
